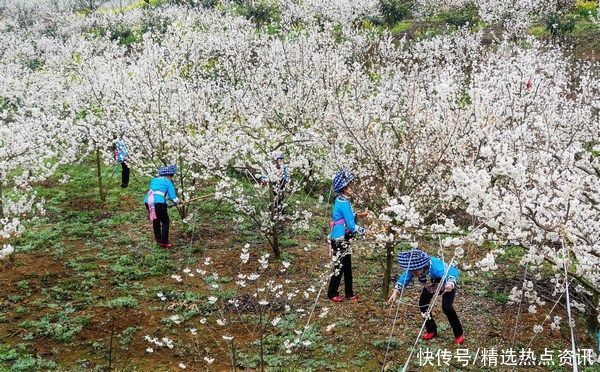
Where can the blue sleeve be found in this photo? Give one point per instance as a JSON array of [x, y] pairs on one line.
[[348, 216], [452, 275], [171, 192], [286, 173], [404, 279]]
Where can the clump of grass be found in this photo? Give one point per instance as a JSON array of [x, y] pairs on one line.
[[127, 302], [61, 326]]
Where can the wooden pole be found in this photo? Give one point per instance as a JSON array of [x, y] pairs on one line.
[[191, 200], [99, 175]]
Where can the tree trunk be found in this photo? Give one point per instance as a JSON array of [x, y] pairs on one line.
[[275, 239], [310, 184], [183, 210], [233, 357], [99, 174], [592, 318], [274, 222], [389, 261], [1, 200], [262, 334]]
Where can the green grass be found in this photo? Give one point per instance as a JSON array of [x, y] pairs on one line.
[[494, 295], [539, 31], [585, 27], [402, 27], [383, 344]]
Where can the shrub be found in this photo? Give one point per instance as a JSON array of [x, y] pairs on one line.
[[586, 7], [122, 302], [260, 13], [59, 327], [208, 4], [559, 25], [467, 15], [394, 11]]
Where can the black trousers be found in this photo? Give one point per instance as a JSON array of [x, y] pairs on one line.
[[161, 224], [124, 175], [447, 308], [342, 265]]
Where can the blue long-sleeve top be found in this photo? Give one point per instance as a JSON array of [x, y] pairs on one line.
[[437, 269], [162, 186], [284, 175], [342, 209], [121, 151]]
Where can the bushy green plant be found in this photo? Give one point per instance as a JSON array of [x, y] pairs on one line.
[[383, 344], [127, 268], [467, 15], [61, 326], [159, 263], [559, 25], [208, 4], [126, 336], [394, 11], [586, 7], [122, 302], [260, 13]]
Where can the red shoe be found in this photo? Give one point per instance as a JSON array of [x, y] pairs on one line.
[[167, 245], [337, 299], [353, 300], [459, 340], [428, 336]]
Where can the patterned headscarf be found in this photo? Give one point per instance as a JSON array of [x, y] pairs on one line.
[[167, 171], [341, 179], [414, 259]]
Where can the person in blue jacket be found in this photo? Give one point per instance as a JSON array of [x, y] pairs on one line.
[[343, 228], [161, 188], [418, 263]]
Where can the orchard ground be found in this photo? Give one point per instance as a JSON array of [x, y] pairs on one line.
[[81, 293]]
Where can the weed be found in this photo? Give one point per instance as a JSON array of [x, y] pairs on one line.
[[383, 344], [159, 263], [21, 310], [23, 285], [127, 302], [330, 349], [61, 326], [126, 336]]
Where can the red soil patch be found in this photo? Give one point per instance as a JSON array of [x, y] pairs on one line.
[[85, 205]]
